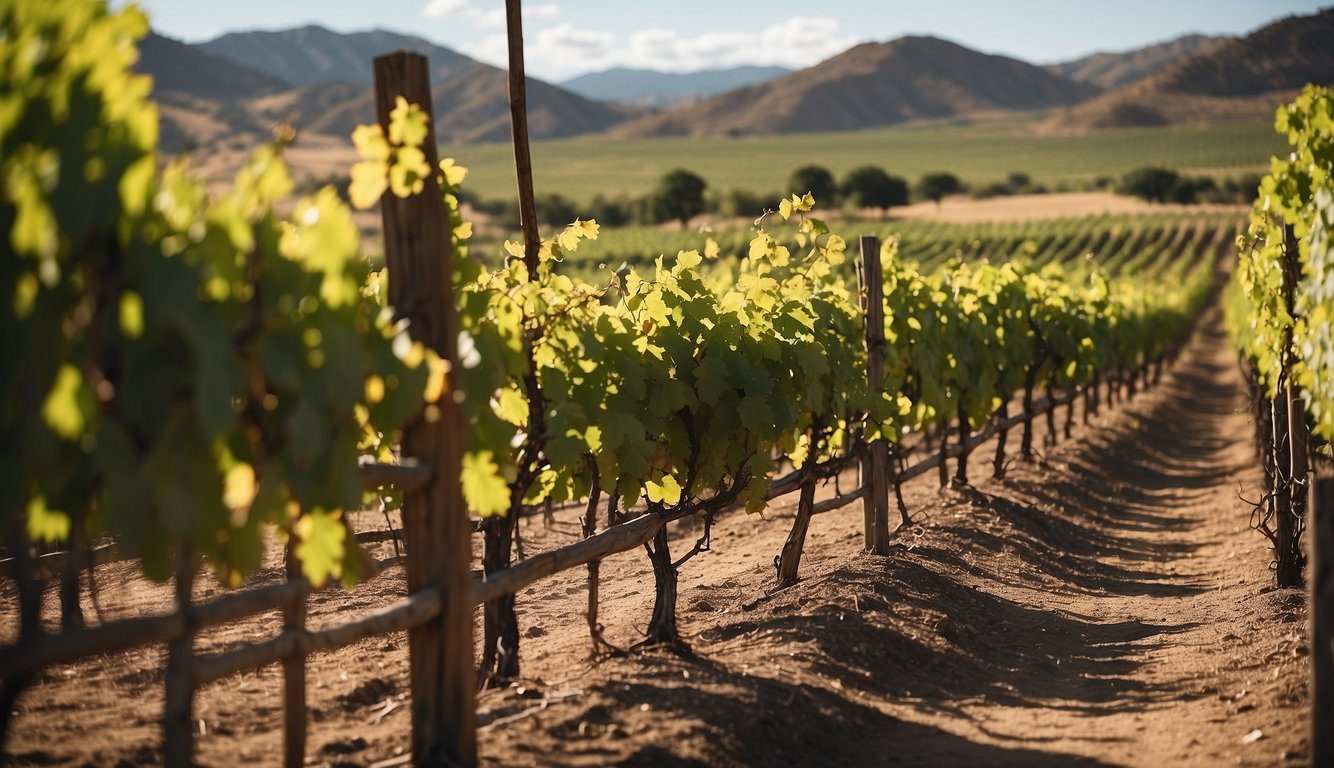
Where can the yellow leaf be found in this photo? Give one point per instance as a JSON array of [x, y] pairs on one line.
[[454, 173], [665, 491], [437, 377], [408, 124], [46, 524], [688, 260], [512, 407], [131, 314], [371, 144], [239, 486], [63, 412], [374, 389], [370, 178], [589, 228]]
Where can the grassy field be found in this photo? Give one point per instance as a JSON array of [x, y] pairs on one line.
[[582, 167]]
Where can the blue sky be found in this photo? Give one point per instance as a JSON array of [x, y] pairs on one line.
[[564, 38]]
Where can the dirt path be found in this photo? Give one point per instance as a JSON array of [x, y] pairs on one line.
[[1106, 606]]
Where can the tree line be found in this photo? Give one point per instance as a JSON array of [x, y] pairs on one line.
[[681, 194]]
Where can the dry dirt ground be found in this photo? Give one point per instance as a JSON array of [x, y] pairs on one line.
[[1049, 206], [1104, 606]]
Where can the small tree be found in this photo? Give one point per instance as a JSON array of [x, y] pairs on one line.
[[679, 196], [1153, 184], [937, 186], [1019, 181], [556, 210], [870, 187], [747, 203], [816, 180]]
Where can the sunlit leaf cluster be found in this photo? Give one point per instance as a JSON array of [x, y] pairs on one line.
[[1296, 197], [178, 368]]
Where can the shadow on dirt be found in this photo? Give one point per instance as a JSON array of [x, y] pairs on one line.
[[736, 718]]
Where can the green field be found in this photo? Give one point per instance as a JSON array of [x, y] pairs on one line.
[[579, 168]]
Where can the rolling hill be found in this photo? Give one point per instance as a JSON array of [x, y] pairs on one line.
[[187, 69], [1113, 70], [472, 107], [649, 88], [312, 54], [1239, 79], [869, 85], [242, 83]]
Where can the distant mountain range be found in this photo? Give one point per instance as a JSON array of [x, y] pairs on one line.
[[244, 82], [311, 55], [240, 84], [869, 85], [1113, 70], [1242, 78], [649, 88]]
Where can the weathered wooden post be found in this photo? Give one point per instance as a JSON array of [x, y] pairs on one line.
[[1321, 511], [294, 674], [178, 712], [419, 255], [875, 464]]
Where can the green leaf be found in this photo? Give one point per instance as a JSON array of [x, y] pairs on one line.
[[321, 537], [756, 415], [484, 488]]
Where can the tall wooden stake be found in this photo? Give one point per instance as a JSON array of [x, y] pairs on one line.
[[419, 255], [875, 463], [523, 160]]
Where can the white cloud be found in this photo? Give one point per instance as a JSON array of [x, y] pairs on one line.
[[556, 52], [485, 19], [544, 11], [564, 39], [439, 9], [492, 49], [492, 19]]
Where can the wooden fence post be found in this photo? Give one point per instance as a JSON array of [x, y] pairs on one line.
[[1321, 512], [178, 715], [875, 463], [294, 676], [419, 254]]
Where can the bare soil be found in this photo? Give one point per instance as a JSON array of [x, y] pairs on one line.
[[1049, 206], [1106, 605]]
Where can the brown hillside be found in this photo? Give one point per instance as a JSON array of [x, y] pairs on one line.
[[473, 106], [320, 81], [180, 68], [1113, 70], [312, 54], [1239, 79], [870, 85]]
